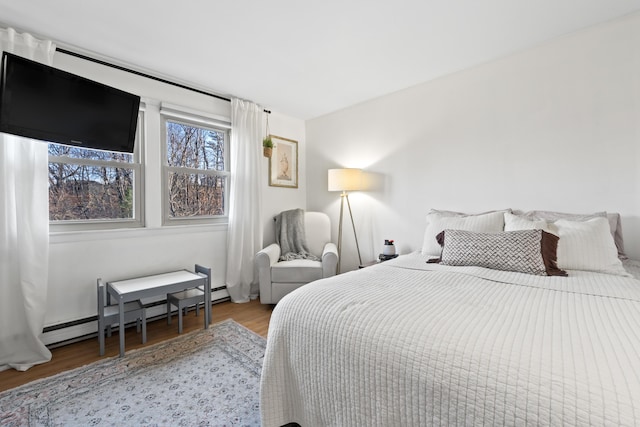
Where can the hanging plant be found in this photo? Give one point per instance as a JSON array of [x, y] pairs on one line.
[[267, 146], [267, 143]]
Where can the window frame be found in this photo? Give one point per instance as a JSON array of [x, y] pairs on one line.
[[138, 220], [189, 118]]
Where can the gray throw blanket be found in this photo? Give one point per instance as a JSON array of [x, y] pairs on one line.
[[291, 237]]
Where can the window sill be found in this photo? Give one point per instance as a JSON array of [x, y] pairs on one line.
[[128, 233]]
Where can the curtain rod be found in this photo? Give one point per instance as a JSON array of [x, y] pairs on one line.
[[138, 73]]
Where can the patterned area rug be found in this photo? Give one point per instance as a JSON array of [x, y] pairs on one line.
[[208, 378]]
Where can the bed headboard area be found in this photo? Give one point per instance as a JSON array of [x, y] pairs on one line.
[[535, 242], [509, 220]]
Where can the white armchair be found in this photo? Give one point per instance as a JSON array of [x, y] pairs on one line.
[[278, 278]]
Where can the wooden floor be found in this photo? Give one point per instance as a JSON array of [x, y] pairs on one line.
[[253, 315]]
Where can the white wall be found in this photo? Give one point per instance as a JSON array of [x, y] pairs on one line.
[[556, 127], [77, 259], [278, 199]]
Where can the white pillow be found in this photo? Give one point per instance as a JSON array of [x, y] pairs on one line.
[[516, 222], [492, 222], [588, 245], [550, 216]]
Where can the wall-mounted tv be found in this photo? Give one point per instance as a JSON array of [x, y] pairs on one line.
[[41, 102]]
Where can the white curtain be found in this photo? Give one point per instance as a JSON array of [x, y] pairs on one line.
[[244, 238], [24, 231]]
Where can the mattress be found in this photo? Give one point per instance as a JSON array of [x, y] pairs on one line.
[[409, 343]]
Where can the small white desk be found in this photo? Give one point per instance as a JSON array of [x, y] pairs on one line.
[[143, 287]]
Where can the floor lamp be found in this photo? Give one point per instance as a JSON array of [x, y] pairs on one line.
[[345, 180]]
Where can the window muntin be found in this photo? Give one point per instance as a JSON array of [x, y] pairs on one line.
[[196, 172], [93, 189]]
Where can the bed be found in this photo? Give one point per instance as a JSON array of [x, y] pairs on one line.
[[407, 342]]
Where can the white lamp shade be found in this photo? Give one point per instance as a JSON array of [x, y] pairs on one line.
[[345, 179]]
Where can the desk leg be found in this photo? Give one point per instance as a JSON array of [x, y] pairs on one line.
[[121, 326], [207, 304]]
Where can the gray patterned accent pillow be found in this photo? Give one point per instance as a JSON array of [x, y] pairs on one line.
[[523, 251]]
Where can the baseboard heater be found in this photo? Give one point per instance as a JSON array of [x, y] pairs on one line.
[[83, 321]]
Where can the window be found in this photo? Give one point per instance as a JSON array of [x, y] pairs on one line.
[[195, 172], [93, 189]]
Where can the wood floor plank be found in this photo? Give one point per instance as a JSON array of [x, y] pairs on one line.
[[252, 315]]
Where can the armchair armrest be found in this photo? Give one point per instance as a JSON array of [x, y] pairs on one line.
[[264, 260], [268, 256], [329, 260]]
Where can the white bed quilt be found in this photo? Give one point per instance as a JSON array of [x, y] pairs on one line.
[[409, 343]]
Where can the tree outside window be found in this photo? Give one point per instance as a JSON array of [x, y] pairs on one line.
[[89, 184]]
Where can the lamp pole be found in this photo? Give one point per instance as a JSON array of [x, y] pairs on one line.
[[344, 196], [343, 180]]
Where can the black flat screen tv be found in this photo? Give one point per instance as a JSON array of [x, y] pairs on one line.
[[42, 102]]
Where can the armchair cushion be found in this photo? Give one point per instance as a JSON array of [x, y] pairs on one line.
[[318, 231], [290, 235], [296, 271]]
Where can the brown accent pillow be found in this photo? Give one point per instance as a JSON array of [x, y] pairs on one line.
[[549, 249]]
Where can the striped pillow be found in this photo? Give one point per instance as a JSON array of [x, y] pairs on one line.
[[491, 222], [514, 222], [588, 245]]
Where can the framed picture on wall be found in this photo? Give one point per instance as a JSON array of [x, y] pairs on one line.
[[283, 164]]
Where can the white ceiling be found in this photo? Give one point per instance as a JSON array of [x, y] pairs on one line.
[[305, 58]]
